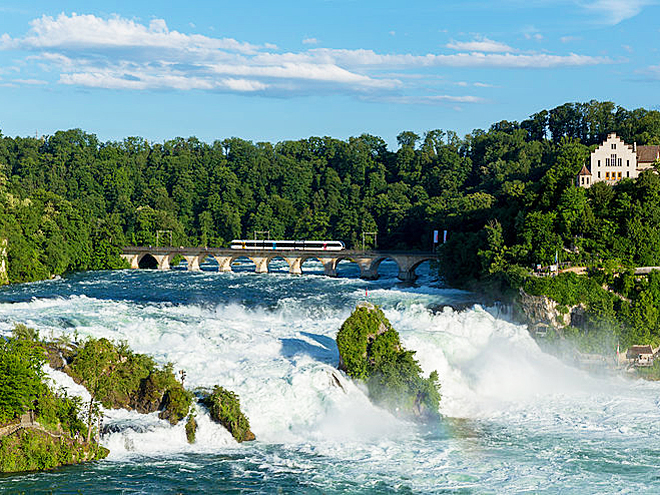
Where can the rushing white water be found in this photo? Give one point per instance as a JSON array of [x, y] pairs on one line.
[[516, 419]]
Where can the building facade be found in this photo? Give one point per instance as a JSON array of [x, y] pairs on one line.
[[615, 160]]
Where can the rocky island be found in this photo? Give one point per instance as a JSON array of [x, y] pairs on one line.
[[41, 428], [370, 351]]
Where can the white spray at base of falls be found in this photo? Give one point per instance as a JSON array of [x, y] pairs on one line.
[[527, 422]]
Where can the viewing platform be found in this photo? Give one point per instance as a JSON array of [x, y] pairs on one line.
[[367, 261]]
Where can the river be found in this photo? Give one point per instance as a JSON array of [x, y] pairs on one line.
[[515, 420]]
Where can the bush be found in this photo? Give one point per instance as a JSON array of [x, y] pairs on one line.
[[21, 377]]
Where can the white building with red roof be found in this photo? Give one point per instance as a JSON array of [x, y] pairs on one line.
[[615, 160]]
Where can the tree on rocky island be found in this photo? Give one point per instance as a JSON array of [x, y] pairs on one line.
[[370, 351], [225, 408]]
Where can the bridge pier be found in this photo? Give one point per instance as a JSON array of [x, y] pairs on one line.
[[407, 276], [132, 260], [193, 263], [224, 263], [163, 261], [330, 268], [407, 265], [261, 264], [368, 268], [295, 265]]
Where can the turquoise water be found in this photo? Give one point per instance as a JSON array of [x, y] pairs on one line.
[[515, 419]]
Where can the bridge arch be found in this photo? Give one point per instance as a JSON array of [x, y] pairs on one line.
[[329, 265], [375, 264], [235, 261], [275, 257], [347, 261], [147, 261]]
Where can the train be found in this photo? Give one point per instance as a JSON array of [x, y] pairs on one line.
[[285, 245]]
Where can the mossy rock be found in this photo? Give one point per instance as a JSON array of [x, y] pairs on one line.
[[370, 350], [131, 381], [191, 429], [225, 408]]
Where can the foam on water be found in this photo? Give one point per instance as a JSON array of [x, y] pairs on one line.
[[524, 420]]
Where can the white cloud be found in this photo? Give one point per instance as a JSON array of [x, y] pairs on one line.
[[569, 39], [89, 32], [431, 99], [30, 82], [122, 54], [615, 11], [310, 41], [369, 58], [482, 45]]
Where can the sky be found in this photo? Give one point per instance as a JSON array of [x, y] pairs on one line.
[[273, 71]]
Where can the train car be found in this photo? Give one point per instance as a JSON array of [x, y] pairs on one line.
[[285, 245]]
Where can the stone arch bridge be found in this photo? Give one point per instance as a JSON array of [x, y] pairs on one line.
[[367, 261]]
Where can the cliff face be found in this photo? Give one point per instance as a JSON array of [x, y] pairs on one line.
[[541, 313]]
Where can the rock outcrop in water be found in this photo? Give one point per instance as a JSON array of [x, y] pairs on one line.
[[118, 378], [225, 408], [370, 351]]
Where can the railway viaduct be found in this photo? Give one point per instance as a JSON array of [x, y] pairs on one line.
[[367, 261]]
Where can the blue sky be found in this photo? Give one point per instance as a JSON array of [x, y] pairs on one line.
[[269, 71]]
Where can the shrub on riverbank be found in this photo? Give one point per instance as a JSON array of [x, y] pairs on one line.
[[31, 449], [370, 350], [39, 428]]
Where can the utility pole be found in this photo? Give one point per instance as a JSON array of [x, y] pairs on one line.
[[364, 237], [260, 232], [158, 232]]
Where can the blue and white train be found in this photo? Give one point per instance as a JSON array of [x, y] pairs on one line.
[[284, 245]]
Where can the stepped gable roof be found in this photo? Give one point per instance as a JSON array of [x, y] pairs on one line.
[[636, 350], [584, 171], [648, 154]]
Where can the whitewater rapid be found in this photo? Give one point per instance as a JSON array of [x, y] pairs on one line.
[[514, 417]]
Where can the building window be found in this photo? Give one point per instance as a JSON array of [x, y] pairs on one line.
[[613, 146], [613, 160], [599, 163], [607, 162], [587, 180], [599, 174], [607, 176], [628, 173], [627, 163], [582, 180], [620, 162], [619, 175]]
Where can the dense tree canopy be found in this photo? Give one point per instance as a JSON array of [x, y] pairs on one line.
[[69, 201]]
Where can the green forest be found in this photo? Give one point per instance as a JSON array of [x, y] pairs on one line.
[[505, 195]]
